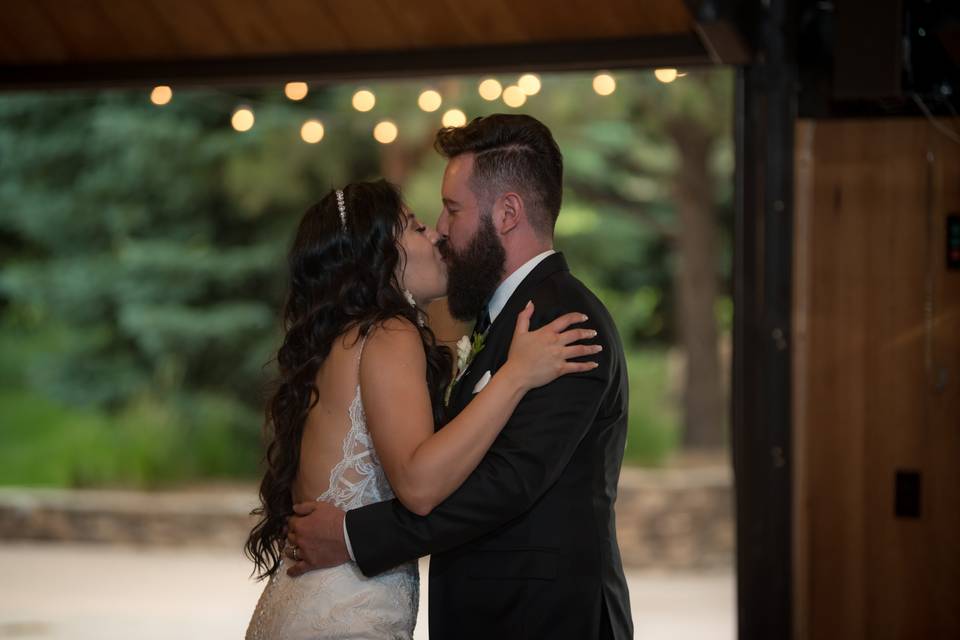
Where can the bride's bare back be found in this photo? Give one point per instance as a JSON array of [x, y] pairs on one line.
[[327, 424], [338, 465]]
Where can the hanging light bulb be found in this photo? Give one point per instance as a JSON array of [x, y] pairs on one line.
[[429, 100], [295, 90], [385, 132], [490, 89], [513, 96], [364, 100], [604, 84], [529, 83], [161, 95], [312, 131], [665, 76], [242, 119], [454, 118]]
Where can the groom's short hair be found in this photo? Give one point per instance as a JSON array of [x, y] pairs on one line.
[[512, 152]]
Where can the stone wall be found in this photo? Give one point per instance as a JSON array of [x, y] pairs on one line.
[[676, 519], [196, 518], [668, 519]]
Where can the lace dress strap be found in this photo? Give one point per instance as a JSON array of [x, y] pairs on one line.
[[363, 341]]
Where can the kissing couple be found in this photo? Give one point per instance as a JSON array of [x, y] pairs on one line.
[[501, 461]]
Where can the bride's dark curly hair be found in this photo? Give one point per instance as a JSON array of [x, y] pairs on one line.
[[339, 280]]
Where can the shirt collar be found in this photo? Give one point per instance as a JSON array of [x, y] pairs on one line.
[[502, 294]]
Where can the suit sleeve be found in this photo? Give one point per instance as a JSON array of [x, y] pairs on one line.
[[525, 460]]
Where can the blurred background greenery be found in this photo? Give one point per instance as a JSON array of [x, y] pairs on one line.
[[141, 257]]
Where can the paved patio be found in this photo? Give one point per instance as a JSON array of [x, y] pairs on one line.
[[96, 592]]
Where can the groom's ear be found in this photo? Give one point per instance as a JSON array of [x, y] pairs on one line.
[[511, 212]]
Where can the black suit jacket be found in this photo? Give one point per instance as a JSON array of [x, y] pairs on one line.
[[527, 546]]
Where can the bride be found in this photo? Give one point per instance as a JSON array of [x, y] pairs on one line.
[[361, 387]]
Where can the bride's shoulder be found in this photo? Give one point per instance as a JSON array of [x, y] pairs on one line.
[[394, 339], [396, 324]]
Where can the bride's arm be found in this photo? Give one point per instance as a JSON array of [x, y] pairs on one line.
[[425, 467]]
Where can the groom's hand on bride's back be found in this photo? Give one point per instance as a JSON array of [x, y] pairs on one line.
[[315, 531]]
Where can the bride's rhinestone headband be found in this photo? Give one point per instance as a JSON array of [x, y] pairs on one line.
[[343, 209]]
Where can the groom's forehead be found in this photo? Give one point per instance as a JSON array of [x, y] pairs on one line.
[[456, 178], [459, 167]]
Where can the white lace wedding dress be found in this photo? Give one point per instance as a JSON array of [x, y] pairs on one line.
[[340, 603]]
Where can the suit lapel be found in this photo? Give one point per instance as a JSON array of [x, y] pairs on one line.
[[500, 334]]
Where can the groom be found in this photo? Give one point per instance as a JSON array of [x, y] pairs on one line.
[[527, 547]]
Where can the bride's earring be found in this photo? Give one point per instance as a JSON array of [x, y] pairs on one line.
[[413, 303]]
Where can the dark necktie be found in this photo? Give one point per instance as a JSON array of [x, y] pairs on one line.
[[483, 322]]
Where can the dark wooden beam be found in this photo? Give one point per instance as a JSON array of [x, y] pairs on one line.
[[762, 343], [868, 55], [657, 51]]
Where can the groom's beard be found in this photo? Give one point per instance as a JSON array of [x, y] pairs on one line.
[[474, 273]]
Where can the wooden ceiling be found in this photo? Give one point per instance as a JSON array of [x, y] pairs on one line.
[[52, 41]]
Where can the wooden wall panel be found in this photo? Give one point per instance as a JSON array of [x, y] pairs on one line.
[[942, 492], [877, 320]]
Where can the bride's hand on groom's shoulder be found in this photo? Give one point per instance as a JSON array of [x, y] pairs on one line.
[[315, 537], [541, 356]]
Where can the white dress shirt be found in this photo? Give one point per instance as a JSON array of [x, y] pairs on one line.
[[502, 294], [497, 302]]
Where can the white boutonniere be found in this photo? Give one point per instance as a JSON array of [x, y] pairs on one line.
[[467, 350], [464, 347]]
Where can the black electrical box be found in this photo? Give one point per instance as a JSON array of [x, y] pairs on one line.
[[953, 241], [906, 501]]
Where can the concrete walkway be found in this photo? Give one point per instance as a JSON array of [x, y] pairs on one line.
[[96, 592]]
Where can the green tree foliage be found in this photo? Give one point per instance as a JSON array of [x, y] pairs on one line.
[[143, 252]]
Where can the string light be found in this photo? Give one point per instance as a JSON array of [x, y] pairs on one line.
[[429, 100], [385, 132], [490, 89], [529, 83], [665, 76], [295, 90], [364, 100], [604, 84], [312, 131], [454, 118], [242, 119], [161, 95], [513, 96]]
